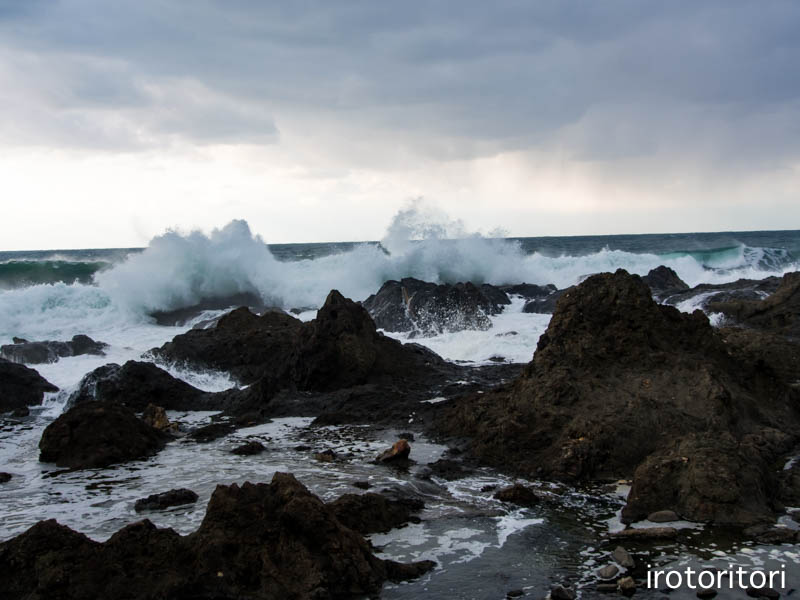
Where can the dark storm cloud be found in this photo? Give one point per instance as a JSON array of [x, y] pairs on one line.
[[601, 79]]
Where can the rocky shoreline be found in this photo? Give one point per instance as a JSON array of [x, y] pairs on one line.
[[701, 419]]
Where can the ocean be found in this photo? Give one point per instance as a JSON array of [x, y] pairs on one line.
[[111, 294]]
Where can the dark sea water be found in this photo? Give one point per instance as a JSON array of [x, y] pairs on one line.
[[483, 548]]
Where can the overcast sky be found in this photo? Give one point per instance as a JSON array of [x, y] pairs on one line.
[[317, 121]]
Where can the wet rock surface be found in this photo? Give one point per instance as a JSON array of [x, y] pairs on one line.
[[165, 500], [244, 344], [619, 381], [664, 281], [98, 434], [23, 351], [138, 384], [779, 313], [21, 386], [428, 308], [259, 541]]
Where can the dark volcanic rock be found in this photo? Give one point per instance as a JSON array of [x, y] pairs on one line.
[[23, 351], [663, 281], [778, 313], [246, 345], [21, 386], [164, 500], [5, 477], [707, 293], [619, 381], [517, 494], [249, 449], [430, 309], [98, 434], [256, 541], [374, 513], [137, 384], [341, 348], [544, 304]]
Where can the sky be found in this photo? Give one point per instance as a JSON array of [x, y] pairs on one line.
[[319, 121]]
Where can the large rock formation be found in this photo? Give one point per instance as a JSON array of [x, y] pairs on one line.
[[21, 386], [23, 351], [137, 384], [340, 348], [259, 541], [618, 380], [98, 434], [778, 313], [429, 309], [245, 345]]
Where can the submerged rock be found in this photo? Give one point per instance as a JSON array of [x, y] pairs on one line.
[[430, 309], [23, 351], [98, 434], [5, 477], [21, 386], [620, 385], [164, 500], [517, 494], [249, 449], [258, 541]]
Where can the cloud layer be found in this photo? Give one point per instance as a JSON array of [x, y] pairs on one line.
[[679, 93]]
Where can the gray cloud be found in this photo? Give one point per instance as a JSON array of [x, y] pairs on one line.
[[601, 80]]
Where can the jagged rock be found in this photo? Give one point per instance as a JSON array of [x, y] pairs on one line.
[[398, 452], [156, 416], [663, 516], [341, 348], [21, 386], [23, 351], [246, 345], [136, 385], [258, 541], [375, 513], [517, 494], [623, 558], [616, 382], [663, 281], [164, 500], [778, 313], [430, 309], [98, 434], [249, 449]]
